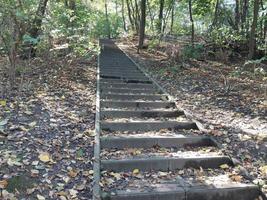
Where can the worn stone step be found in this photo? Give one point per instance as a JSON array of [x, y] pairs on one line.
[[110, 142], [121, 73], [137, 104], [165, 163], [108, 80], [119, 68], [169, 191], [118, 96], [125, 77], [146, 126], [131, 91], [139, 113], [128, 85]]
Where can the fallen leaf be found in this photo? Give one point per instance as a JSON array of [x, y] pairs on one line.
[[44, 157], [236, 178], [224, 166], [3, 103], [34, 172], [40, 197], [3, 184], [116, 175], [32, 124], [136, 171], [73, 173], [264, 170]]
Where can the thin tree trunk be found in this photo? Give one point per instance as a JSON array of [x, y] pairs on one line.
[[161, 7], [165, 19], [137, 10], [192, 22], [72, 6], [216, 12], [135, 17], [172, 17], [244, 14], [252, 39], [107, 20], [142, 25], [151, 18], [237, 15], [123, 16], [130, 15], [37, 22]]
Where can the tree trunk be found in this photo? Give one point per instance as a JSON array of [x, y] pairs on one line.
[[161, 7], [142, 25], [151, 18], [130, 15], [37, 22], [72, 7], [252, 39], [172, 17], [192, 22], [135, 17], [237, 15], [123, 16], [216, 13], [165, 19], [107, 20], [244, 14]]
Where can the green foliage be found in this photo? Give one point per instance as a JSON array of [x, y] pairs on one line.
[[194, 52]]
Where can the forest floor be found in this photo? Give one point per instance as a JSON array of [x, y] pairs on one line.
[[229, 102], [47, 130]]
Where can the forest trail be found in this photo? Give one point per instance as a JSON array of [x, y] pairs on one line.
[[149, 149]]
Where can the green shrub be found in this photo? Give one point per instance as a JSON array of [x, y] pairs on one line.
[[194, 52]]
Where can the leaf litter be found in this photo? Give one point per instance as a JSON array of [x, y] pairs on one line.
[[45, 144], [236, 117]]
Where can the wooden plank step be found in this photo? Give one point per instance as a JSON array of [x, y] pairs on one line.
[[139, 113], [146, 126], [125, 77], [128, 85], [118, 96], [230, 191], [131, 91], [137, 104], [165, 163], [152, 141], [120, 73], [107, 80]]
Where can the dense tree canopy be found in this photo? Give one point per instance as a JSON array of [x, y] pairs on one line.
[[25, 26]]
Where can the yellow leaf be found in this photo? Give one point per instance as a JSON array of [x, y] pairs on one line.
[[136, 171], [3, 184], [224, 166], [116, 175], [44, 157], [3, 103], [264, 169]]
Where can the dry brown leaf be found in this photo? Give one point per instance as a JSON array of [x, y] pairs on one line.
[[3, 184], [73, 173], [236, 178]]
